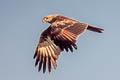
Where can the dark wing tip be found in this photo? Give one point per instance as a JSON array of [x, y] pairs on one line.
[[44, 65], [101, 30], [35, 53], [95, 29]]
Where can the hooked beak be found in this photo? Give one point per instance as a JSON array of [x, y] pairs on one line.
[[43, 20]]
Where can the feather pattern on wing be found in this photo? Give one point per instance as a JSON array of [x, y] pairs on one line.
[[46, 52], [67, 32]]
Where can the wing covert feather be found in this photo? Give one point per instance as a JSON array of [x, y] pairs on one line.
[[67, 33]]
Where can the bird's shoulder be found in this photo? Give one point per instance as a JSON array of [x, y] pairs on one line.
[[64, 22], [45, 34]]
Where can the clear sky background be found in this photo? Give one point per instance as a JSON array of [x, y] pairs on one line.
[[97, 57]]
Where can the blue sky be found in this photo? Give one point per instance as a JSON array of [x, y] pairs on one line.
[[97, 57]]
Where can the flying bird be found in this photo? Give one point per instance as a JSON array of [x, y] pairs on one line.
[[61, 35]]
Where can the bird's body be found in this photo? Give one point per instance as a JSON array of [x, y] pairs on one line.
[[61, 35]]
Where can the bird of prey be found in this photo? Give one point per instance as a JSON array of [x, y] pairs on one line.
[[61, 35]]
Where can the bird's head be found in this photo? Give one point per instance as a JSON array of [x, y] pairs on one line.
[[50, 18]]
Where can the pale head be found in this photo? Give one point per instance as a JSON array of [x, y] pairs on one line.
[[50, 18]]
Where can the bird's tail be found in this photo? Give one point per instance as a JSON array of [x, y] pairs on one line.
[[95, 29]]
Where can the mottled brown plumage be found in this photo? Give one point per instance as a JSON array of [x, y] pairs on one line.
[[61, 35]]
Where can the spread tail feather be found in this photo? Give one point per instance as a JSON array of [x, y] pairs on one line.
[[95, 29]]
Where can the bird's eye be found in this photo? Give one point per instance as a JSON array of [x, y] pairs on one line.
[[46, 18]]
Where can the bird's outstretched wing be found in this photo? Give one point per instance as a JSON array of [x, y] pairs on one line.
[[46, 52], [65, 33]]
